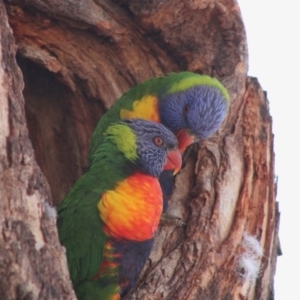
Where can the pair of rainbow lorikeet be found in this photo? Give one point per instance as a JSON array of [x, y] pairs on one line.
[[108, 220]]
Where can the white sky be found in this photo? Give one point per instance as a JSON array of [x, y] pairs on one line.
[[273, 34]]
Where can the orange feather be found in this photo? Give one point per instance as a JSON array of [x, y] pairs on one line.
[[132, 211]]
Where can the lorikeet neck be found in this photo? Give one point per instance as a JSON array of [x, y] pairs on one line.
[[132, 210], [109, 167]]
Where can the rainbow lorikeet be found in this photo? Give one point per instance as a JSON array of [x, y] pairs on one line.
[[192, 106], [108, 219]]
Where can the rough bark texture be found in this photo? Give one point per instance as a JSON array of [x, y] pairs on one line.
[[77, 58], [32, 263]]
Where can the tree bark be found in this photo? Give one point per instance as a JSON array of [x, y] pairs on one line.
[[77, 57], [32, 262]]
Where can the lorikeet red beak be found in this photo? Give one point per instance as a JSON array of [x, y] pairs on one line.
[[184, 139], [174, 161]]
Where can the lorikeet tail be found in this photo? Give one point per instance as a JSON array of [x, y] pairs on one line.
[[94, 290]]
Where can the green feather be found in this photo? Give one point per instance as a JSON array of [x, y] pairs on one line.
[[195, 79], [124, 139], [91, 290]]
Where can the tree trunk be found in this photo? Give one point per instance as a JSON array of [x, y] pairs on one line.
[[77, 57], [32, 262]]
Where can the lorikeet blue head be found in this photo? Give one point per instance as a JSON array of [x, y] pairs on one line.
[[194, 108], [149, 145], [156, 147]]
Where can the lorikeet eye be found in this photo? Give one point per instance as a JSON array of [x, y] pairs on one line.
[[158, 141], [186, 109]]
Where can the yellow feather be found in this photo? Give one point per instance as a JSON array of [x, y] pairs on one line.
[[145, 108]]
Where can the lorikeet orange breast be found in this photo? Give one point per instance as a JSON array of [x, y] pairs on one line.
[[134, 203], [112, 212]]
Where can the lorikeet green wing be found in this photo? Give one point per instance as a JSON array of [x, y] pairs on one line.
[[81, 232]]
